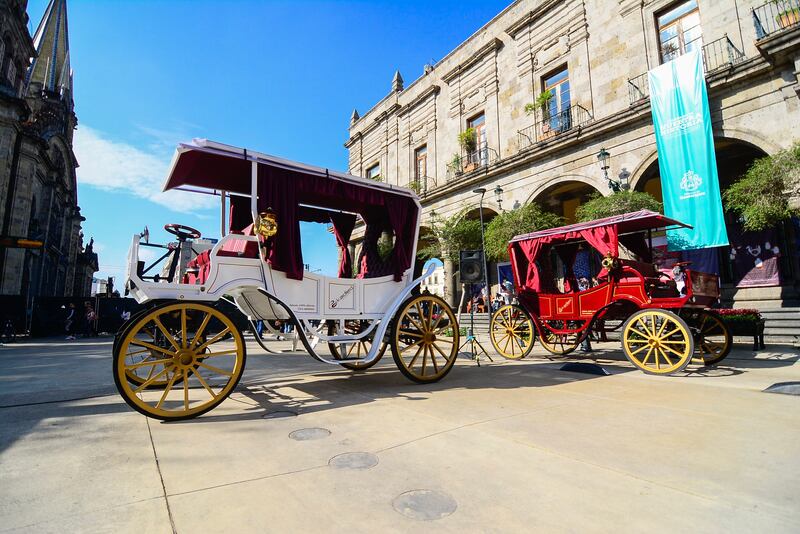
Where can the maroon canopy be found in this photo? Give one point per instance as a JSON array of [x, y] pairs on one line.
[[602, 234], [288, 187]]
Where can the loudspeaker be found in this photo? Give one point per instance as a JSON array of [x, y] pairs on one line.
[[471, 266]]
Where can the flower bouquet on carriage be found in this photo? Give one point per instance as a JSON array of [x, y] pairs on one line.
[[185, 353]]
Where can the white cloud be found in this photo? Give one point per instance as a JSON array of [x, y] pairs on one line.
[[117, 166]]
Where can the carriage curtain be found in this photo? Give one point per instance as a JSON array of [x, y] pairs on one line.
[[278, 192], [531, 250], [567, 253], [603, 239], [343, 224]]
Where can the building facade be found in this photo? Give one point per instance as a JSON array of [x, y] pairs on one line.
[[38, 188], [547, 84]]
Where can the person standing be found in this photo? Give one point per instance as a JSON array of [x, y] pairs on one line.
[[69, 322], [91, 316]]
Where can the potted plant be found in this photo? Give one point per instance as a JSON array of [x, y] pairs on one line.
[[455, 165], [468, 140], [788, 17], [667, 50], [744, 322], [415, 185]]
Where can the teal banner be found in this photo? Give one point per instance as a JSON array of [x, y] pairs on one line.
[[686, 159]]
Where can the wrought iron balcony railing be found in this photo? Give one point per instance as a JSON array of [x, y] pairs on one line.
[[483, 157], [776, 15], [549, 124], [718, 54]]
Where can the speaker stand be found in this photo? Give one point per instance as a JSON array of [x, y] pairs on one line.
[[471, 340]]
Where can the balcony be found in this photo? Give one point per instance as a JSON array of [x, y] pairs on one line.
[[483, 157], [422, 185], [548, 125], [775, 16], [719, 54]]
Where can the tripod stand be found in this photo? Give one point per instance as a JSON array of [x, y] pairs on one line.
[[472, 341]]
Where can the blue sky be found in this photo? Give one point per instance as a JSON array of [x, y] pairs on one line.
[[279, 77]]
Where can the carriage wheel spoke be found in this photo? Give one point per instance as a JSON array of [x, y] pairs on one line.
[[205, 384], [424, 359], [416, 343], [214, 369], [666, 358], [186, 390], [220, 353], [147, 362], [151, 347], [166, 391], [433, 360], [166, 333], [647, 357], [414, 359], [640, 349], [213, 340], [183, 328], [674, 351], [199, 333], [410, 333], [150, 381]]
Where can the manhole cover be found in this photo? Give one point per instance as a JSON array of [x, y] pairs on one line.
[[307, 434], [279, 414], [424, 505], [786, 388], [354, 460]]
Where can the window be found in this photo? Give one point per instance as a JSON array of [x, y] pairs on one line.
[[374, 172], [478, 123], [2, 52], [421, 162], [679, 30], [12, 73], [557, 117]]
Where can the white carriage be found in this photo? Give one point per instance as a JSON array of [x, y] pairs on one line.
[[184, 354]]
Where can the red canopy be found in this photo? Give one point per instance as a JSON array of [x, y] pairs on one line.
[[602, 234], [285, 185]]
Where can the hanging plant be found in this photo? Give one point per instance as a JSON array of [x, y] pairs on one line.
[[506, 225], [599, 206]]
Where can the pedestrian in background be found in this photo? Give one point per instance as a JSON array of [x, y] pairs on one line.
[[69, 321], [91, 316]]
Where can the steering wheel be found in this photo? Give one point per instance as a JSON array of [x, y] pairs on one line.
[[182, 232]]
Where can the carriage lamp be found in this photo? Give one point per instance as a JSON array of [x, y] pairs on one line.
[[267, 224], [498, 196]]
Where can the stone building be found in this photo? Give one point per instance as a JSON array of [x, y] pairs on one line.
[[38, 188], [592, 58]]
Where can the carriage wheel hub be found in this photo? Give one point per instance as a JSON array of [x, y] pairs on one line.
[[429, 338], [184, 358]]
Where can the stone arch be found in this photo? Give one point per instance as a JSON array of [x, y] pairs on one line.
[[488, 213], [563, 197], [598, 184]]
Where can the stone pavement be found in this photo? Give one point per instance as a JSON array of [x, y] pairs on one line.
[[504, 447]]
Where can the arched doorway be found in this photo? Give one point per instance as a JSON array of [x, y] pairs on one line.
[[565, 197], [754, 260]]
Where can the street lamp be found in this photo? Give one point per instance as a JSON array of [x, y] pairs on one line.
[[481, 191], [616, 185], [498, 192]]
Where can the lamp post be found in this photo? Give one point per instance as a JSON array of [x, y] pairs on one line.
[[481, 191], [602, 158]]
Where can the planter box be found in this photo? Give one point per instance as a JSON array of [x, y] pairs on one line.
[[747, 328]]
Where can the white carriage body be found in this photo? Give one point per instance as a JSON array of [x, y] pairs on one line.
[[255, 286]]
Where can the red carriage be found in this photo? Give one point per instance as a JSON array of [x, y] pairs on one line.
[[663, 315]]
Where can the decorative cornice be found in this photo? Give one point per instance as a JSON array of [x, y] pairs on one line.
[[420, 98], [482, 52], [531, 17]]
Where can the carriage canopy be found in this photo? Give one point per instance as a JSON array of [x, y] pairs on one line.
[[604, 235], [298, 192]]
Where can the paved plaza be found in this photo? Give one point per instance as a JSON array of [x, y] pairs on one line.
[[303, 447]]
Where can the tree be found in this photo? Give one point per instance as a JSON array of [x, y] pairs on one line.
[[452, 235], [500, 230], [599, 206], [762, 197]]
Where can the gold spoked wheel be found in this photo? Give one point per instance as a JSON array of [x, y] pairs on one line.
[[199, 363], [425, 338], [657, 341], [355, 350], [512, 332], [712, 338], [558, 344]]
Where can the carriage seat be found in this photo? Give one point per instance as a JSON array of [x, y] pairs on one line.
[[198, 268], [657, 284]]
